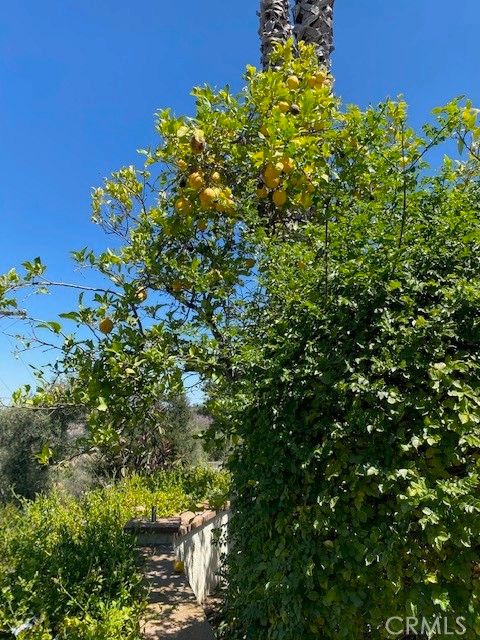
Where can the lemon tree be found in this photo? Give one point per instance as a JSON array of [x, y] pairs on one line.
[[191, 225]]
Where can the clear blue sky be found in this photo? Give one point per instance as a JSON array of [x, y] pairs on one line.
[[80, 81]]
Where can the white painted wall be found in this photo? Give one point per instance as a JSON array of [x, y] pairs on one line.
[[202, 556]]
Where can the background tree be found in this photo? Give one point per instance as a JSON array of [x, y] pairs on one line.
[[24, 434], [168, 439]]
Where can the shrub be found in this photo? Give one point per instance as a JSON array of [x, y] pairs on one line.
[[68, 561], [358, 476]]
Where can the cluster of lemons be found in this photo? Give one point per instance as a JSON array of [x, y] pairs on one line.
[[275, 180], [202, 187], [272, 181], [207, 190]]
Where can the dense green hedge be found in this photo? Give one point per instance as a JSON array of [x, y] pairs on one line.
[[69, 563], [357, 473]]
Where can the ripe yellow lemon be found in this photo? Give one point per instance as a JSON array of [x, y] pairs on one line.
[[196, 181], [288, 164], [262, 192], [179, 566], [293, 82], [182, 205], [207, 196], [317, 81], [216, 177], [280, 198], [273, 171], [272, 183], [106, 325], [284, 107], [197, 142], [182, 165]]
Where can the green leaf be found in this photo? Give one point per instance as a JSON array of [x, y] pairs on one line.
[[102, 405]]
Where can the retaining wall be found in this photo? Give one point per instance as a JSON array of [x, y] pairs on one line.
[[202, 548]]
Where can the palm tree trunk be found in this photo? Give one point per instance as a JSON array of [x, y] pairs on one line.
[[314, 24], [275, 26]]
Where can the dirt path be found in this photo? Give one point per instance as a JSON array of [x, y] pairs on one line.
[[173, 612]]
